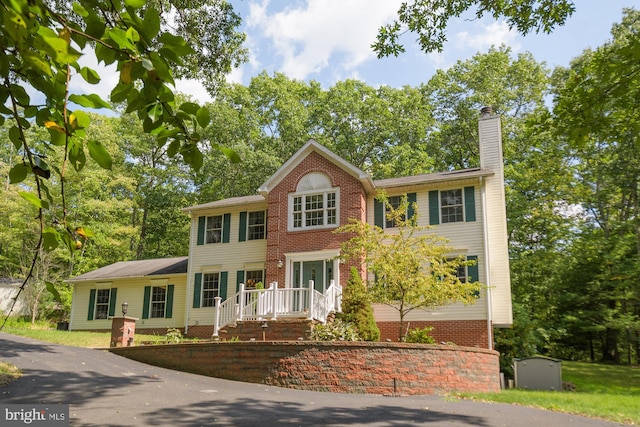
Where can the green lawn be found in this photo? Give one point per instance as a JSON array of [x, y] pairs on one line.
[[602, 391]]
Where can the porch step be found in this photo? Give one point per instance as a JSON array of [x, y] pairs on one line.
[[275, 330]]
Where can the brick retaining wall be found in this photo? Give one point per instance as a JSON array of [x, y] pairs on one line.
[[342, 367]]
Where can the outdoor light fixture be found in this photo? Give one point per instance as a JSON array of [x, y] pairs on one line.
[[280, 263], [125, 307]]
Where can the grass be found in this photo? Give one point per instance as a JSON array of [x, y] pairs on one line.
[[8, 373], [43, 331], [609, 392]]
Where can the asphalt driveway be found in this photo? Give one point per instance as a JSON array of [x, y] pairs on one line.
[[107, 390]]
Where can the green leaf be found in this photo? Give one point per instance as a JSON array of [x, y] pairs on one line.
[[89, 75], [50, 239], [231, 155], [177, 44], [53, 291], [90, 101], [155, 111], [18, 173], [121, 91], [99, 153], [136, 4], [14, 136], [76, 155], [34, 200], [203, 117]]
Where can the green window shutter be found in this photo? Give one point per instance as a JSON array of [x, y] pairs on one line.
[[378, 213], [202, 222], [197, 290], [146, 302], [434, 207], [92, 304], [226, 228], [239, 279], [112, 301], [224, 276], [242, 232], [411, 198], [469, 204], [472, 272], [168, 310]]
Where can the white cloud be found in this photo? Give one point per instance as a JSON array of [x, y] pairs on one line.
[[309, 36], [493, 34]]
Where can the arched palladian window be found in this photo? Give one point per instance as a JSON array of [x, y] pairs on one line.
[[315, 204]]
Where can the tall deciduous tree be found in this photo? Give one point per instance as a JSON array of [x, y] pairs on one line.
[[41, 43], [597, 104]]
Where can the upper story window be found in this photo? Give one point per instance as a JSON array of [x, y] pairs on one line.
[[393, 203], [315, 204], [381, 210], [256, 225], [214, 229], [451, 206]]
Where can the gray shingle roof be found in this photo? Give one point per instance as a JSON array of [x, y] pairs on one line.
[[148, 267]]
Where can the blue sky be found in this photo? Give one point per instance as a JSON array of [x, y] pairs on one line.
[[329, 41]]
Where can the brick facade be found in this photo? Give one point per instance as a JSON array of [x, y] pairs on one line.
[[346, 367], [470, 333], [281, 241]]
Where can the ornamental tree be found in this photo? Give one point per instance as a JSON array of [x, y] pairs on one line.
[[412, 268]]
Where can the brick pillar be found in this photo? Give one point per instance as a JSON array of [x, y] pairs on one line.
[[122, 331]]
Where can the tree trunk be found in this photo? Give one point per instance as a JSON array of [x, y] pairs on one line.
[[610, 351]]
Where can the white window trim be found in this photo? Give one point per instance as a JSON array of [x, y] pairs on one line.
[[302, 194]]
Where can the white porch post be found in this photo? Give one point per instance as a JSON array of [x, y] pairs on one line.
[[216, 320], [274, 303], [310, 290], [240, 303]]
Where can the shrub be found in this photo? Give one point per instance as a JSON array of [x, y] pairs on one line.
[[173, 335], [422, 336], [356, 308], [337, 330]]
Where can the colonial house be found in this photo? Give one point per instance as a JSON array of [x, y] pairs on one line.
[[274, 257]]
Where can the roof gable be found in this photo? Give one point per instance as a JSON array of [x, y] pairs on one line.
[[314, 147]]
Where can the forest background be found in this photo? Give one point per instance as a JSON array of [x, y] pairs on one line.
[[572, 169]]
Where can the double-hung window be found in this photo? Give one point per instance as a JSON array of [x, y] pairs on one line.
[[158, 301], [315, 204], [451, 206], [210, 288], [256, 225], [315, 210], [214, 229], [102, 303]]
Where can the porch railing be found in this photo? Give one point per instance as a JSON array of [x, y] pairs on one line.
[[275, 302]]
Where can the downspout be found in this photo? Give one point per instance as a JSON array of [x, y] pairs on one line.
[[485, 233], [73, 306], [186, 311]]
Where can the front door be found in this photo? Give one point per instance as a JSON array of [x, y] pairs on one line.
[[313, 270]]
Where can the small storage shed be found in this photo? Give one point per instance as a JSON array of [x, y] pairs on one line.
[[538, 373]]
